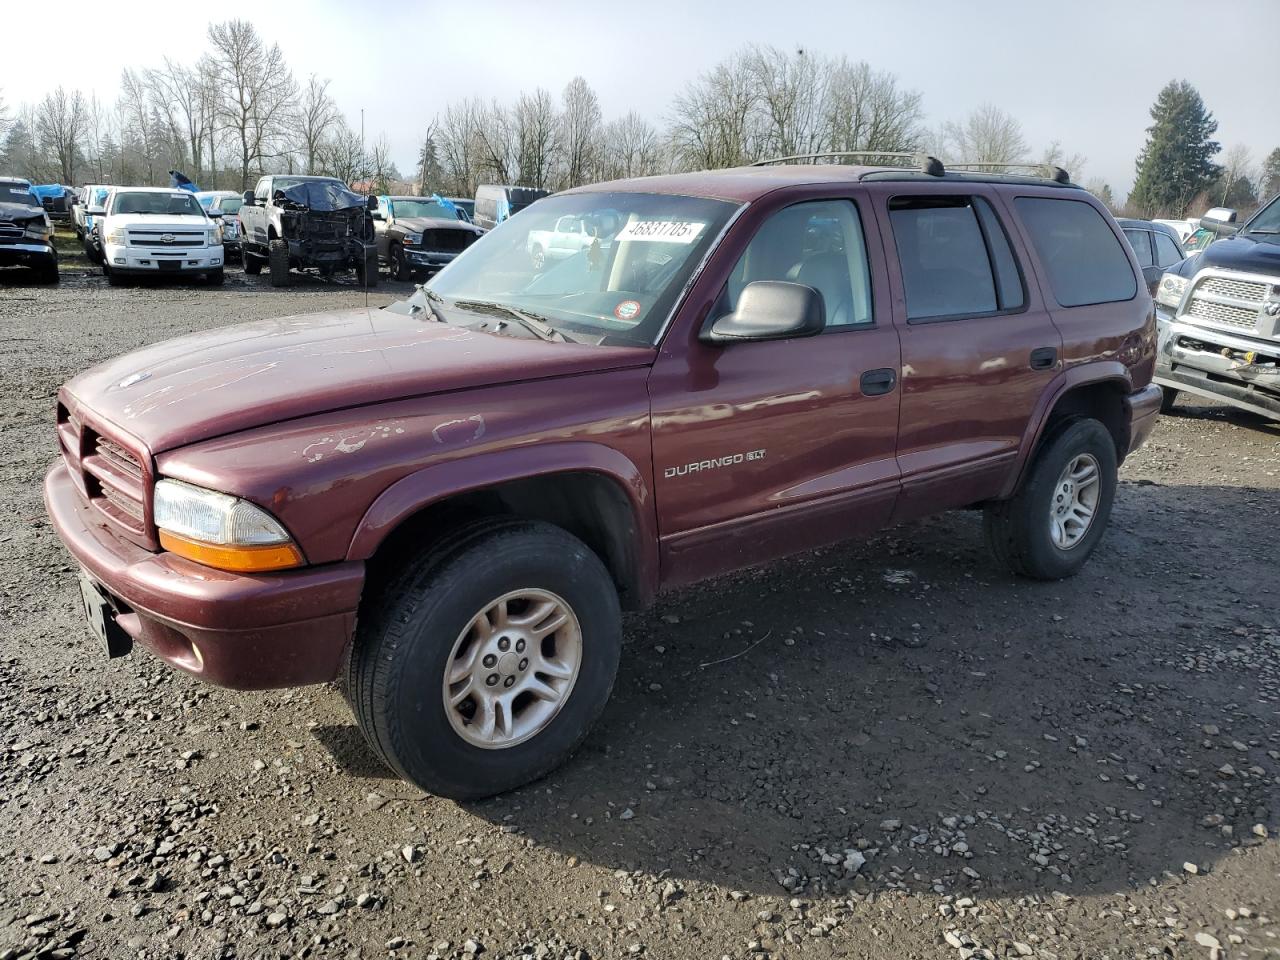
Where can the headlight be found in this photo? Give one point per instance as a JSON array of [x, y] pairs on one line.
[[116, 236], [1170, 291], [228, 228], [215, 235], [219, 530], [39, 229], [412, 239]]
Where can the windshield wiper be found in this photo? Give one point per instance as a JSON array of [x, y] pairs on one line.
[[536, 325]]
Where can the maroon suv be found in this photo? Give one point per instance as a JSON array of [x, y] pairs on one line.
[[446, 503]]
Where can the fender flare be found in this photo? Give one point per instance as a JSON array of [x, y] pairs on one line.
[[435, 483], [1081, 375]]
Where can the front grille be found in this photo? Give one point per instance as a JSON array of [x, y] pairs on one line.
[[109, 475], [1223, 313], [447, 241], [1247, 290], [152, 238]]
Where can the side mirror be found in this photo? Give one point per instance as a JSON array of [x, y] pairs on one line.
[[248, 198], [1220, 220], [371, 203], [770, 310]]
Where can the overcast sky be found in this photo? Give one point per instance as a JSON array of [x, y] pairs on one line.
[[1083, 72]]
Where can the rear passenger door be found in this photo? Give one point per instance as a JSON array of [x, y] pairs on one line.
[[1144, 249], [978, 345]]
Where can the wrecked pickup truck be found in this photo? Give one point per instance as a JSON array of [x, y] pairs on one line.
[[307, 223]]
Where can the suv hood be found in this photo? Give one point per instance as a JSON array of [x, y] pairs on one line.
[[161, 221], [418, 224], [20, 212], [234, 378]]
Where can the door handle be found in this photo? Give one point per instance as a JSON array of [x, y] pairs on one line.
[[874, 383], [1044, 358]]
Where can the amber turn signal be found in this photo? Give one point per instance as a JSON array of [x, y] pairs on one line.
[[257, 559]]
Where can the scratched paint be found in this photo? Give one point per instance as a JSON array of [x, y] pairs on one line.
[[350, 443]]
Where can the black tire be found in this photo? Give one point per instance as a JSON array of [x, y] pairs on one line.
[[400, 269], [113, 278], [278, 257], [1018, 530], [92, 252], [47, 273], [252, 264], [215, 278], [1168, 397], [407, 632]]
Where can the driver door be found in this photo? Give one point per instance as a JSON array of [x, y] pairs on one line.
[[765, 448]]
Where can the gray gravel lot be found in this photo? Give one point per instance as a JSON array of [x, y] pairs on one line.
[[915, 755]]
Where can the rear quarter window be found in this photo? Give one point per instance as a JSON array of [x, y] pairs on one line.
[[1080, 253]]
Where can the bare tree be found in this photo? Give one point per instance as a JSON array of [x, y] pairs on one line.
[[1102, 190], [381, 169], [317, 114], [343, 155], [536, 128], [634, 148], [59, 122], [1055, 156], [257, 93], [134, 108], [791, 91], [714, 122], [988, 135], [1237, 166], [181, 93], [867, 110], [459, 146], [496, 138], [580, 122]]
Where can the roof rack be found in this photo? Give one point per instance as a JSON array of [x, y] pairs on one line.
[[1047, 170], [930, 165]]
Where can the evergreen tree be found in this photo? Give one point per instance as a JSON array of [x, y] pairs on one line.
[[1270, 179], [1176, 163]]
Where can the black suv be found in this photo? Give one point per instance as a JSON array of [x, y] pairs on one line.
[[26, 235]]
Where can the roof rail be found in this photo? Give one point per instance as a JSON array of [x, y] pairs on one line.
[[930, 165], [1047, 170]]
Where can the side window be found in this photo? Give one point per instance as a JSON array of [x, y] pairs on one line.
[[1081, 255], [955, 257], [819, 244], [1140, 240], [262, 191], [1166, 251]]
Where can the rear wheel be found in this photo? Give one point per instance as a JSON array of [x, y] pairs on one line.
[[278, 256], [484, 665], [1168, 397], [1048, 529]]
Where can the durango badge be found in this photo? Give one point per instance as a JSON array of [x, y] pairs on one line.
[[728, 460]]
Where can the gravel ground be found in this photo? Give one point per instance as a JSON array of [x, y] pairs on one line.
[[889, 749]]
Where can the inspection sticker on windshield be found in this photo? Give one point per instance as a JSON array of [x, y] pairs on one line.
[[662, 231], [627, 309]]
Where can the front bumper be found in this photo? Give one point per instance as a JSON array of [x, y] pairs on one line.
[[1208, 362], [428, 259], [27, 254], [128, 259], [235, 630]]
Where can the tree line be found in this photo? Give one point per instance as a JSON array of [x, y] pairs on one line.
[[239, 111]]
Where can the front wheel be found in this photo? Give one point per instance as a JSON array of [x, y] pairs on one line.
[[252, 264], [1056, 519], [484, 665], [400, 269], [278, 259]]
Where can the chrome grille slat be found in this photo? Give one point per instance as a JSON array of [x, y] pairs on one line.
[[1233, 289], [1223, 313], [1227, 301]]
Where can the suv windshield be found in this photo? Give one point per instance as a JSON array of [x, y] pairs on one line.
[[405, 209], [602, 266], [161, 203], [229, 204], [18, 193]]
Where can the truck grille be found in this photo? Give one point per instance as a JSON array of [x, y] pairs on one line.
[[447, 241], [1227, 301], [109, 475], [1226, 313], [155, 238]]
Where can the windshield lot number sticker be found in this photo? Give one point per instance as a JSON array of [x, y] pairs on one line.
[[627, 309], [661, 231]]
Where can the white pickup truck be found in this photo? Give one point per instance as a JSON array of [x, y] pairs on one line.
[[569, 235], [158, 230]]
